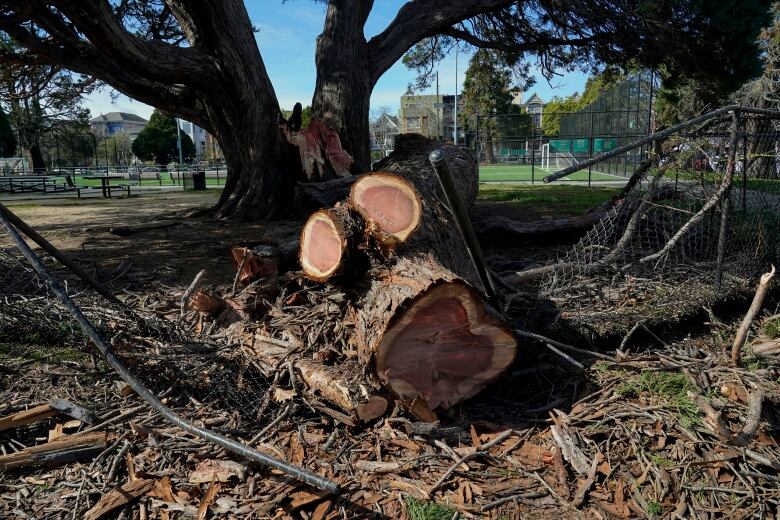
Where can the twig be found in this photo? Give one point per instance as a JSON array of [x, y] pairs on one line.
[[240, 268], [191, 289], [744, 327], [566, 356], [565, 346]]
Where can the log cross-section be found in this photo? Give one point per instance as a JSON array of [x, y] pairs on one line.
[[389, 205], [324, 243]]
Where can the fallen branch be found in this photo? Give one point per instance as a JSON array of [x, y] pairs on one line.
[[715, 421], [59, 451], [755, 306]]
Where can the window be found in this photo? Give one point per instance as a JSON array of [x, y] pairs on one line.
[[413, 122]]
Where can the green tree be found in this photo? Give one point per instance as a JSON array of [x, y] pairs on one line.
[[201, 60], [158, 142], [554, 110], [7, 136], [488, 91]]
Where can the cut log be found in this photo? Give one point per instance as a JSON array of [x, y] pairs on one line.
[[427, 333], [430, 336], [60, 451], [25, 417], [325, 244], [389, 205], [410, 160]]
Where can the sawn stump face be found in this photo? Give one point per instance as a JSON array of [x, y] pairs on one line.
[[444, 347], [322, 246]]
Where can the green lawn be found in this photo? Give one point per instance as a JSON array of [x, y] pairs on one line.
[[524, 173], [549, 199], [149, 180], [752, 183]]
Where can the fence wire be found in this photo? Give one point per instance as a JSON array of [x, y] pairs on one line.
[[695, 230]]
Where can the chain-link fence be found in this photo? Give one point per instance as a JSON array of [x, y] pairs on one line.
[[520, 149], [696, 228], [203, 369]]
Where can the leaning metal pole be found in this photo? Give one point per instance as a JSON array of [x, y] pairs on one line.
[[229, 444], [56, 253], [439, 162]]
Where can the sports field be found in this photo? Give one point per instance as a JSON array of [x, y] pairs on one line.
[[523, 173]]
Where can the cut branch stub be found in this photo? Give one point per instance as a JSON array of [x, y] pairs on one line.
[[443, 347], [324, 244], [390, 206]]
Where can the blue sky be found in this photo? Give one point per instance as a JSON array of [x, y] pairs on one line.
[[287, 36]]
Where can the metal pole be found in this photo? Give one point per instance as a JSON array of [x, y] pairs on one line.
[[178, 140], [455, 132], [726, 200], [53, 251], [533, 149], [151, 399], [439, 162], [744, 169], [590, 148]]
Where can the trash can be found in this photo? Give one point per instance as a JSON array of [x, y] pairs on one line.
[[194, 181]]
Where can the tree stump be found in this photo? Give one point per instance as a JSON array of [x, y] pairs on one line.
[[422, 329]]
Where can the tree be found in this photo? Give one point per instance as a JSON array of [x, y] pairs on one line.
[[558, 107], [200, 60], [158, 141], [7, 136], [488, 91]]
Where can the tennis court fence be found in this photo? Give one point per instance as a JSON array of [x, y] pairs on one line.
[[513, 148]]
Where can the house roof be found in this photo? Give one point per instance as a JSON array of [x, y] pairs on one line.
[[534, 99], [118, 117]]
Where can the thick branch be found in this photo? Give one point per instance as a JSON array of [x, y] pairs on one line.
[[418, 19]]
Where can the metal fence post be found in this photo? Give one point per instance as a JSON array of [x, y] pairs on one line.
[[726, 201], [590, 149], [533, 149], [479, 149]]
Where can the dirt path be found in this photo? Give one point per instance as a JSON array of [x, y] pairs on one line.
[[171, 255]]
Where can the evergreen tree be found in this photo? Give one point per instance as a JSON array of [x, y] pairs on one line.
[[7, 136], [487, 91], [158, 141]]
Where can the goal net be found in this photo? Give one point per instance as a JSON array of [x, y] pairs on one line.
[[556, 161]]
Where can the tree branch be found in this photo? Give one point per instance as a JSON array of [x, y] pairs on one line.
[[418, 19]]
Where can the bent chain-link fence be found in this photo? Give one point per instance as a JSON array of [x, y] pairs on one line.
[[697, 229], [206, 379]]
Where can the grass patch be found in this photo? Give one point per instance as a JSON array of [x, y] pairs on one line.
[[421, 510], [772, 328], [654, 509], [555, 200], [671, 387], [36, 352]]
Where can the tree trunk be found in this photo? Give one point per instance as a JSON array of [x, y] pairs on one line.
[[343, 90], [262, 166], [425, 333]]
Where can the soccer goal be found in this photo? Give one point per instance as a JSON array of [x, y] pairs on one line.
[[557, 161]]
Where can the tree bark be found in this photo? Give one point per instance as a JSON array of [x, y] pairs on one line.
[[343, 89], [426, 332]]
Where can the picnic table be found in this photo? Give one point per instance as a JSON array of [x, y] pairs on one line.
[[30, 183], [104, 183]]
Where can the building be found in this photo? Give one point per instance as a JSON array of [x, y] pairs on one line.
[[199, 137], [113, 123], [535, 107], [383, 132], [430, 115]]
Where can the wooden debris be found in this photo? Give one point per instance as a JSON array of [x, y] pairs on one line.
[[218, 470], [118, 497], [755, 306], [25, 417], [261, 261], [60, 451]]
